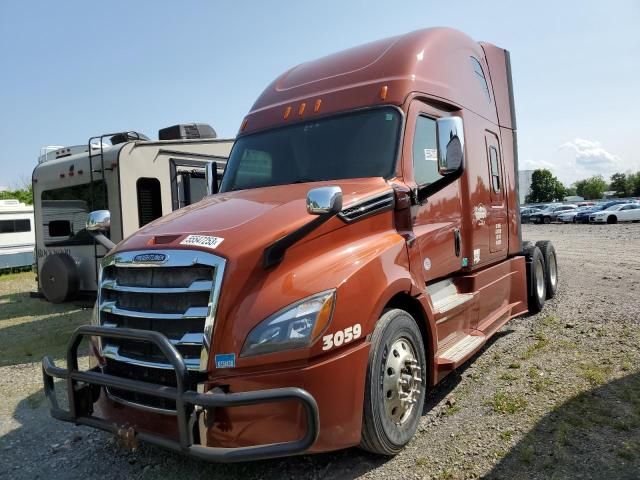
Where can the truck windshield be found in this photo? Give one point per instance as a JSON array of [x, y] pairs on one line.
[[354, 145]]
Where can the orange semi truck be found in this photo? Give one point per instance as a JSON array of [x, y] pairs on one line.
[[364, 242]]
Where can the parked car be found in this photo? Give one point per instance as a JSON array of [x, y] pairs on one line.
[[570, 215], [583, 217], [526, 212], [626, 212], [550, 214]]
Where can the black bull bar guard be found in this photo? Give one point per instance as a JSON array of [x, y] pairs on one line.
[[80, 400]]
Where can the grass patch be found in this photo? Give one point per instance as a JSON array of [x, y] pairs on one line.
[[526, 454], [541, 341], [514, 365], [507, 403], [32, 327], [422, 462], [451, 410], [550, 321], [506, 435], [595, 374], [509, 377]]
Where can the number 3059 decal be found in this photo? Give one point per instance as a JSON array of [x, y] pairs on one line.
[[341, 336]]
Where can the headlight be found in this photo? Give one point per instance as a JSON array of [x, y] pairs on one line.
[[295, 326]]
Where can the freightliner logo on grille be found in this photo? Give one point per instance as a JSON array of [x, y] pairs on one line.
[[150, 258]]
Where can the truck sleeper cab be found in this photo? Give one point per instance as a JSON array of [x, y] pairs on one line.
[[365, 243]]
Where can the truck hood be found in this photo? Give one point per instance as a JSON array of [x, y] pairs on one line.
[[246, 220]]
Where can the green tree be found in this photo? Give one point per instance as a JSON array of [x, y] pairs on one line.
[[25, 195], [592, 188], [634, 182], [621, 184], [545, 187]]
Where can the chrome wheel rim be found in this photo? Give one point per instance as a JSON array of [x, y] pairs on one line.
[[540, 279], [553, 270], [402, 381]]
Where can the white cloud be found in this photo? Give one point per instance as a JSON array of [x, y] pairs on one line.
[[578, 159]]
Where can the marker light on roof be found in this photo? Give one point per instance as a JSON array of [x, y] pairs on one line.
[[383, 93], [287, 112], [316, 107], [301, 108], [244, 124]]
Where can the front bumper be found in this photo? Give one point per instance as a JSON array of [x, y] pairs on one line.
[[81, 396]]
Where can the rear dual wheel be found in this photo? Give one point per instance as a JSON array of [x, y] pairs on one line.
[[395, 384], [542, 273]]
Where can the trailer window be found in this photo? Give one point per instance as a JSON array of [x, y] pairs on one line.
[[358, 144], [495, 169], [15, 226], [65, 211], [149, 200], [479, 74], [425, 153]]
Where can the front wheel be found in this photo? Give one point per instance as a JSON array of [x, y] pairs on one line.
[[395, 384]]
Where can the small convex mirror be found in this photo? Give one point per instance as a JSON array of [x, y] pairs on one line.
[[450, 134], [99, 221], [324, 200]]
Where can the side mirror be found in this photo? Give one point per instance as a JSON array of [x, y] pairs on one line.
[[211, 177], [324, 200], [99, 221], [450, 135]]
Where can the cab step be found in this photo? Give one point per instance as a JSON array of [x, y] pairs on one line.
[[465, 346], [447, 301]]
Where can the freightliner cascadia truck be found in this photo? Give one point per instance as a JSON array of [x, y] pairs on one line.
[[364, 242]]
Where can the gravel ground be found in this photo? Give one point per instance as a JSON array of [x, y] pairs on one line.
[[555, 395]]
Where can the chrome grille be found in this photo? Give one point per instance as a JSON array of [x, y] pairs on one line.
[[176, 297]]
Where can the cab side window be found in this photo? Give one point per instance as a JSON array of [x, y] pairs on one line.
[[425, 153]]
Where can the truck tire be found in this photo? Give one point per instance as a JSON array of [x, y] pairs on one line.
[[536, 286], [395, 384], [59, 278], [550, 267]]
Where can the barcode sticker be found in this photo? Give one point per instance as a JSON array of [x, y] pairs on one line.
[[205, 241]]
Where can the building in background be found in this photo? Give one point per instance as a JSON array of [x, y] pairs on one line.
[[524, 184]]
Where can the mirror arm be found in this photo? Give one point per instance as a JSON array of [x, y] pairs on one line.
[[102, 239], [274, 253]]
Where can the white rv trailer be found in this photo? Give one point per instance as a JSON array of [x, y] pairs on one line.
[[136, 179], [17, 237]]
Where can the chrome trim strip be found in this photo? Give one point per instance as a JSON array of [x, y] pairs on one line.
[[197, 286], [179, 258], [140, 406], [112, 352], [367, 206], [191, 312]]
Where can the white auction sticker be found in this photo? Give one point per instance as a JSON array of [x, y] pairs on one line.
[[205, 241]]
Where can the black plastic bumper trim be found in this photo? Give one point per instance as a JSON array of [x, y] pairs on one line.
[[79, 414]]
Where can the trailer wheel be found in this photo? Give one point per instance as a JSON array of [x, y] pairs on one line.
[[550, 267], [536, 286], [395, 384], [59, 278]]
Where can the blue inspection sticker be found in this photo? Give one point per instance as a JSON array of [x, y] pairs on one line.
[[226, 360]]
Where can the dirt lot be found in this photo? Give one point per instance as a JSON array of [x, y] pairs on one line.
[[555, 395]]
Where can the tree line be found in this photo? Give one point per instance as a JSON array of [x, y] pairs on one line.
[[24, 195], [545, 187]]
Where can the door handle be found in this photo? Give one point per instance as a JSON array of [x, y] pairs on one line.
[[458, 241]]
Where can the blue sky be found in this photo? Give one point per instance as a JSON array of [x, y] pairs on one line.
[[73, 69]]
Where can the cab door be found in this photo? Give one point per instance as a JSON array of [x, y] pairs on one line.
[[436, 214], [497, 211]]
